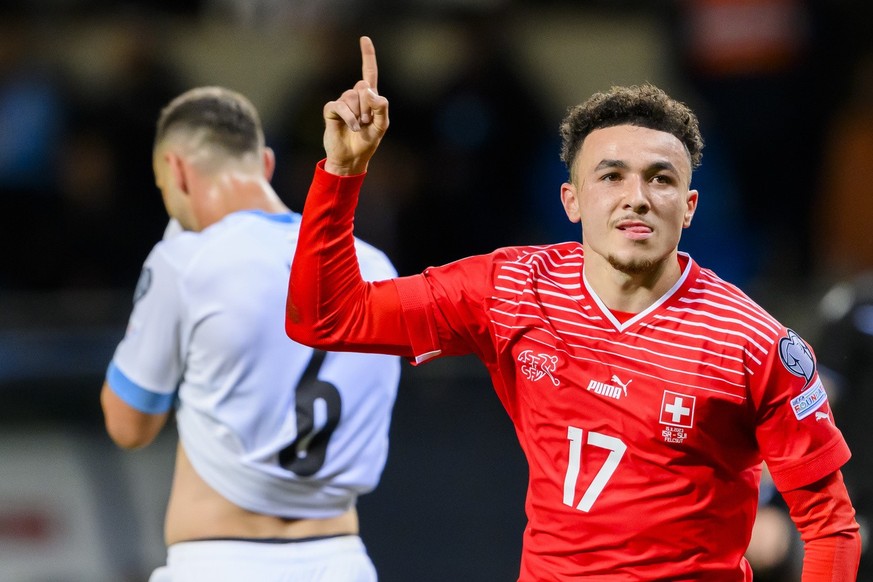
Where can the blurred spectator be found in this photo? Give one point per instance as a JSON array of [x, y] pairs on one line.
[[753, 63], [775, 550], [845, 203], [32, 117], [720, 237], [111, 213], [31, 110], [297, 139], [481, 133], [845, 358], [291, 15], [80, 205]]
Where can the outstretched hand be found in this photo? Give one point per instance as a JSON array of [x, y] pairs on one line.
[[356, 122]]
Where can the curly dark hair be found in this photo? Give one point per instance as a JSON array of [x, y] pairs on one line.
[[640, 105]]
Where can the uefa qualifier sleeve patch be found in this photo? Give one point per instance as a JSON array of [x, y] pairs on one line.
[[797, 359]]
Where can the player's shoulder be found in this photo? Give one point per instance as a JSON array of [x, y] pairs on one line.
[[175, 252], [564, 255], [708, 282], [239, 234], [547, 257], [252, 224], [729, 301]]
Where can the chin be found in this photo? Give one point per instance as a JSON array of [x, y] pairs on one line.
[[632, 266]]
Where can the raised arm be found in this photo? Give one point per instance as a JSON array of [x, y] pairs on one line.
[[356, 122], [329, 305]]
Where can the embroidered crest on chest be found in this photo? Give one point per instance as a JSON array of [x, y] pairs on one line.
[[536, 365]]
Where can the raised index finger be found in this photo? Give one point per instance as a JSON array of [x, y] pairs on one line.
[[368, 62]]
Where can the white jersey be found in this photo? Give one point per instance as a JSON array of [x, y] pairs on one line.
[[274, 426]]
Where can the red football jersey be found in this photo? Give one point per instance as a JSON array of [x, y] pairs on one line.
[[644, 438]]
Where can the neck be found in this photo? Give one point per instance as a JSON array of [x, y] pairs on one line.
[[235, 192], [630, 292]]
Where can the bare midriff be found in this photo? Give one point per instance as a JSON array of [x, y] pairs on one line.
[[196, 511]]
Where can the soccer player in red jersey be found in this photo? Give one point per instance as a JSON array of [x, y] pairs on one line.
[[645, 391]]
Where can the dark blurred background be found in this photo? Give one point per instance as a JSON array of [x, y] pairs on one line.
[[784, 91]]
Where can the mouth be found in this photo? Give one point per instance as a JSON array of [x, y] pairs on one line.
[[635, 230]]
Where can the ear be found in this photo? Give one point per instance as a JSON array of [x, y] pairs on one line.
[[179, 172], [269, 163], [690, 207], [570, 202]]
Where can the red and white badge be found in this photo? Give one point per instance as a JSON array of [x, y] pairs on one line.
[[677, 409]]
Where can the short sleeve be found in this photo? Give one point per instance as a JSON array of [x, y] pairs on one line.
[[796, 430], [147, 365]]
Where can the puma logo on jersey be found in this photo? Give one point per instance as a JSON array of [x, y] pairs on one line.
[[623, 385], [822, 416], [535, 367], [609, 390]]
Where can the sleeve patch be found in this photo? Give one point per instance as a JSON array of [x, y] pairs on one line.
[[796, 356], [143, 284], [809, 400]]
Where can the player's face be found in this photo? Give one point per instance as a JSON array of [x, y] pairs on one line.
[[630, 191]]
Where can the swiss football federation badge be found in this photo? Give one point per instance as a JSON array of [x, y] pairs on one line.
[[538, 366]]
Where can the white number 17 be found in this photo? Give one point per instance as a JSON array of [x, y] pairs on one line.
[[616, 450]]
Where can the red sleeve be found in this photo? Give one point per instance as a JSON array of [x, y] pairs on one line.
[[825, 517], [329, 305], [796, 430]]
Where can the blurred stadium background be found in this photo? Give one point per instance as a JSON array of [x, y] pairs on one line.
[[477, 89]]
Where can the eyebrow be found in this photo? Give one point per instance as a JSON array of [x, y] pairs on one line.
[[656, 166], [664, 165], [610, 164]]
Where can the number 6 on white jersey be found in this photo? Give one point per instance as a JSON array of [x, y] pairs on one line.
[[616, 450]]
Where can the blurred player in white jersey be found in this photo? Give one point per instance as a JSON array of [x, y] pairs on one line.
[[276, 440]]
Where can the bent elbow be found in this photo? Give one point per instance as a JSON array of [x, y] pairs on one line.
[[127, 427], [127, 438], [305, 334]]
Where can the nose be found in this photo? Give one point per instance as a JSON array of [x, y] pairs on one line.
[[637, 195]]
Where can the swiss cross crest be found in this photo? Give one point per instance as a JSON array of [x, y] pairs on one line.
[[538, 366], [677, 410]]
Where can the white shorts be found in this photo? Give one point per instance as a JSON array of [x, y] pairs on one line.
[[336, 559]]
